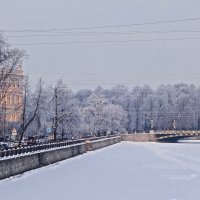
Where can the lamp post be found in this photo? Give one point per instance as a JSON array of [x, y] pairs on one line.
[[174, 124], [4, 120], [151, 124], [55, 119]]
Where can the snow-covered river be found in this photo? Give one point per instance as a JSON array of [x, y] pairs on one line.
[[125, 171]]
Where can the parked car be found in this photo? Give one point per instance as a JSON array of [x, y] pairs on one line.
[[3, 147], [31, 141]]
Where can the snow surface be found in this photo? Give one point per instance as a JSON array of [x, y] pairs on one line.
[[125, 171]]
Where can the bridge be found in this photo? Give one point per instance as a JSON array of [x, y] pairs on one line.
[[174, 136]]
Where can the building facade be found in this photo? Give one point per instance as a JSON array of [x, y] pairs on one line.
[[11, 96]]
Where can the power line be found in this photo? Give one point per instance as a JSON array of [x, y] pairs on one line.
[[104, 33], [146, 79], [111, 73], [128, 80], [106, 41], [83, 84], [103, 27]]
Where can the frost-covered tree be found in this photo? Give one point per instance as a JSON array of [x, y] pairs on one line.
[[100, 116], [93, 113], [66, 112], [115, 118]]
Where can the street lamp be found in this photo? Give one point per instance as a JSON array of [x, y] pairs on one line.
[[151, 123], [4, 120], [174, 124]]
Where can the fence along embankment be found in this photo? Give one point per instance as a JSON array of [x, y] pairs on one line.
[[18, 164]]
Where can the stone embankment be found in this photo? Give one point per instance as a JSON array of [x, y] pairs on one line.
[[18, 164], [143, 137]]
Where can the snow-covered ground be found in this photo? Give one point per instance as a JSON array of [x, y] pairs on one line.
[[125, 171]]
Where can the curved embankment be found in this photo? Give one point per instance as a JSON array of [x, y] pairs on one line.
[[21, 163]]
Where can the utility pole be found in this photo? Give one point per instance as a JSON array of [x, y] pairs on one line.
[[55, 122]]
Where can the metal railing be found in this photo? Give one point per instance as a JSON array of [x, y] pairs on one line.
[[46, 146], [39, 147]]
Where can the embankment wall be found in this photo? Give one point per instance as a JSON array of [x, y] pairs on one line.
[[143, 137], [19, 164]]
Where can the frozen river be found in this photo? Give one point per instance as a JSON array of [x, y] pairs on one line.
[[125, 171]]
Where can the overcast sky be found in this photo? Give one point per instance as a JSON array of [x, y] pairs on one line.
[[134, 55]]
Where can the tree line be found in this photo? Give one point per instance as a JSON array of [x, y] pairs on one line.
[[119, 109]]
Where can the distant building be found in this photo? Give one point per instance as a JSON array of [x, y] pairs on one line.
[[11, 95]]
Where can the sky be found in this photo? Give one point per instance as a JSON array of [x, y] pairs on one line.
[[100, 42]]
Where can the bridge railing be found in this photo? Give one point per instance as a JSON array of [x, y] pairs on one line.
[[179, 132]]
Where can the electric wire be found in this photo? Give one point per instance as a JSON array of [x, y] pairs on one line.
[[104, 33], [106, 41], [103, 27]]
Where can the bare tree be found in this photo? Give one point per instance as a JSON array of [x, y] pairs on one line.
[[31, 106]]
